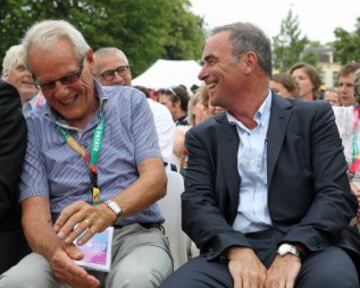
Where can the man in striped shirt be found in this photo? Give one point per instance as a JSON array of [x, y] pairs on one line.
[[65, 173]]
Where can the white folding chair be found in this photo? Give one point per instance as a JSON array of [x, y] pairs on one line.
[[170, 207]]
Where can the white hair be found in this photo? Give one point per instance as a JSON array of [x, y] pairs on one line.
[[14, 56], [46, 34]]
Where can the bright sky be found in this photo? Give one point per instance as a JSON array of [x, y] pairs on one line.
[[318, 18]]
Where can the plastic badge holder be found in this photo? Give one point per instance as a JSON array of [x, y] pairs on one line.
[[97, 251]]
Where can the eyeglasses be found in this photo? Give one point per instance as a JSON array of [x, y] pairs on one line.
[[48, 86], [109, 75]]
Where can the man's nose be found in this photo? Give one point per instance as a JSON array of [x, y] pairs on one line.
[[60, 90], [203, 73], [118, 79]]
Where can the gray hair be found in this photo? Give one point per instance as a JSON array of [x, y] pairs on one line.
[[246, 37], [13, 57], [109, 51], [46, 34]]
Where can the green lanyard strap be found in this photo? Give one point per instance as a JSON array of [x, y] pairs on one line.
[[91, 159]]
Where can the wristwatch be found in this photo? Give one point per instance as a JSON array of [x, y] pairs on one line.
[[114, 207], [286, 248]]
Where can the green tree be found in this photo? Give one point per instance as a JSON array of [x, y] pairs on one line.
[[347, 44], [145, 30], [288, 45]]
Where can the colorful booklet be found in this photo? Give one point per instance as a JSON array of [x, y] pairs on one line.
[[97, 251]]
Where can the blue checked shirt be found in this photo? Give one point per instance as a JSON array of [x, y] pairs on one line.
[[52, 169]]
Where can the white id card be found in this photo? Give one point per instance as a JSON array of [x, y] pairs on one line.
[[97, 251]]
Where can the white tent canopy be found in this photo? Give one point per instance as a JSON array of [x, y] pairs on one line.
[[169, 73]]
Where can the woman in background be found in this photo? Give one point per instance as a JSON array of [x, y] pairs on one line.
[[283, 85], [307, 81]]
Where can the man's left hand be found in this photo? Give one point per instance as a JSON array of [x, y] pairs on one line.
[[283, 272], [83, 218]]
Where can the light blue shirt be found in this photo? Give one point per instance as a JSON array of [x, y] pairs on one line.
[[53, 170], [253, 211], [30, 105]]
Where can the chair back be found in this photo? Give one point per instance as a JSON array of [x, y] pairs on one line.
[[170, 207]]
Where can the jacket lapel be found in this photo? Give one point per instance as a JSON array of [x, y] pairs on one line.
[[228, 141], [279, 118]]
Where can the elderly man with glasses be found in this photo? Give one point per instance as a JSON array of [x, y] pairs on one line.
[[111, 68], [92, 164]]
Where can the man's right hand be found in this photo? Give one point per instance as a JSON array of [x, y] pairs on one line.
[[245, 268], [65, 270]]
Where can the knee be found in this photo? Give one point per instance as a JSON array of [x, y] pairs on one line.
[[9, 279], [139, 277], [332, 271], [32, 272], [324, 280]]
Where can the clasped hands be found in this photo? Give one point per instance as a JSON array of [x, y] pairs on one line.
[[248, 271], [78, 221]]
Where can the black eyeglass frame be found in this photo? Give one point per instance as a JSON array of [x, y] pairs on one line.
[[109, 75], [64, 80]]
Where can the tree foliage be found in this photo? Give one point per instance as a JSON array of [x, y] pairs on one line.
[[347, 44], [288, 45], [144, 30]]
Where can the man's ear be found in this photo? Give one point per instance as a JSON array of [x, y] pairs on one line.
[[250, 60], [90, 60]]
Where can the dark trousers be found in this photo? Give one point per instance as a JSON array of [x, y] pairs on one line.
[[329, 268]]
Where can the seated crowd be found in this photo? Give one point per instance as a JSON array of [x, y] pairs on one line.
[[272, 180]]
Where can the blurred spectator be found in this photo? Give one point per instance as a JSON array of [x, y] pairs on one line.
[[194, 88], [14, 71], [13, 245], [197, 111], [165, 127], [357, 85], [176, 100], [307, 81], [346, 84], [205, 97], [331, 95], [348, 123], [283, 85], [112, 68]]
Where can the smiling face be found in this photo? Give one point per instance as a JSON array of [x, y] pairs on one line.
[[75, 102], [22, 80], [222, 72]]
